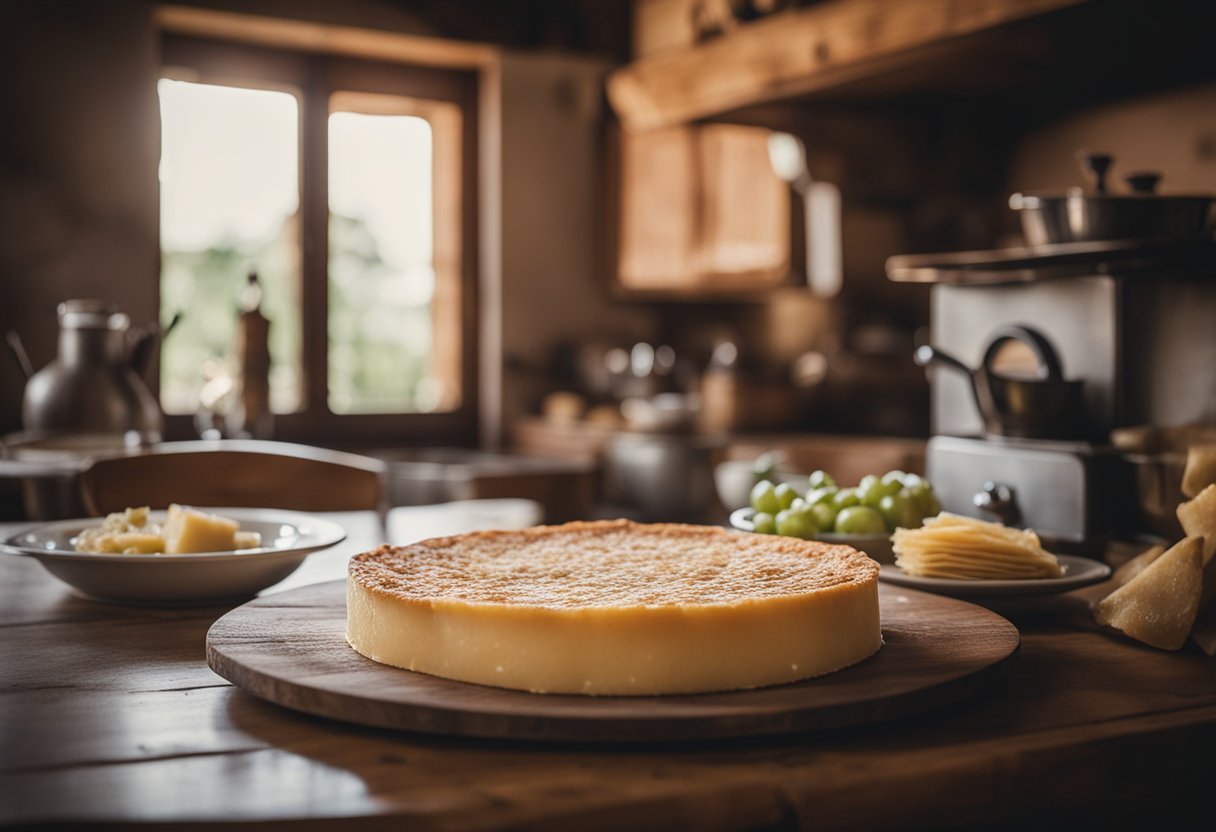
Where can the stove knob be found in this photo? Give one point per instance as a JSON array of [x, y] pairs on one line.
[[999, 499]]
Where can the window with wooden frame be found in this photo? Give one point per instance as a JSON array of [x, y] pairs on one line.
[[349, 187]]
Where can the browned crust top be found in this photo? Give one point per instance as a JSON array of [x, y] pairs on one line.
[[610, 563]]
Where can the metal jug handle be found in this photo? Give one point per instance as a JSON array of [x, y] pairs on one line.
[[1038, 343], [17, 349], [927, 355]]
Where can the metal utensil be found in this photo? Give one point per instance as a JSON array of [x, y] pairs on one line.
[[1159, 490], [665, 476], [1049, 407], [91, 386], [820, 212], [145, 342], [1142, 214], [17, 349]]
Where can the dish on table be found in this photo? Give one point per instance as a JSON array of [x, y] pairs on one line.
[[877, 546], [287, 538], [1078, 572], [735, 478], [185, 530]]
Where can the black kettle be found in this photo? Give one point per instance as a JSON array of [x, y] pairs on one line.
[[1047, 407]]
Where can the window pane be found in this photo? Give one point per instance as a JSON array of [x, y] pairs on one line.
[[381, 264], [229, 196]]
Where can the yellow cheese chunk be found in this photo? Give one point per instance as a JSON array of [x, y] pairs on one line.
[[1159, 605], [1198, 519], [188, 530], [615, 608], [1200, 471], [1136, 565], [136, 543], [246, 540], [122, 533]]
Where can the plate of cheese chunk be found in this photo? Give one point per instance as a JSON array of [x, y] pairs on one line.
[[180, 556], [955, 555]]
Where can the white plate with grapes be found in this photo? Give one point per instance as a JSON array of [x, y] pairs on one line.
[[877, 546], [863, 516]]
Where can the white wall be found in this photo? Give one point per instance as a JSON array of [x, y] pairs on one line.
[[1172, 132], [553, 219], [79, 195]]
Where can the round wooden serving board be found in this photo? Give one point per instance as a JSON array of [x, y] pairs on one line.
[[290, 648]]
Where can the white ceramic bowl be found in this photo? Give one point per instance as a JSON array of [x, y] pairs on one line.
[[287, 537], [735, 478], [877, 546]]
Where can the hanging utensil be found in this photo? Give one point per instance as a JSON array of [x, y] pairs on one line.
[[820, 213], [145, 343], [17, 349]]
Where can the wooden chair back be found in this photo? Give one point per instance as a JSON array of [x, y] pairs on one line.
[[255, 474]]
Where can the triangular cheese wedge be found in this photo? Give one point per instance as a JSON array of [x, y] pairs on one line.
[[1198, 517], [1200, 469], [1135, 566], [1159, 605]]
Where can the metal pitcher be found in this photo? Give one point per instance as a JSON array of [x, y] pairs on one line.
[[93, 385]]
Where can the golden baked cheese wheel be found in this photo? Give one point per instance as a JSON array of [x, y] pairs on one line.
[[615, 608]]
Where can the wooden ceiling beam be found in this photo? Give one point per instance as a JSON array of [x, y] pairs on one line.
[[800, 52], [306, 36]]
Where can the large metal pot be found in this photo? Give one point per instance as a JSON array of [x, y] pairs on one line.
[[1158, 457], [1076, 217], [664, 476], [423, 476], [1159, 490]]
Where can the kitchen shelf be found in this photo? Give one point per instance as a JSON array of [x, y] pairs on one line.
[[1145, 258], [864, 45]]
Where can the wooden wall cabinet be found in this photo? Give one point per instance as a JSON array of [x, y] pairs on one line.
[[700, 212]]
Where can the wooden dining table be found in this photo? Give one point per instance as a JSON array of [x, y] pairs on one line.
[[110, 717]]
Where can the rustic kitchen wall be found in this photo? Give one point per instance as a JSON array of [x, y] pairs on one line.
[[1173, 132], [553, 206], [78, 183]]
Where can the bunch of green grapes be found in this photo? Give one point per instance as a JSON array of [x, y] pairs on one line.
[[876, 505]]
